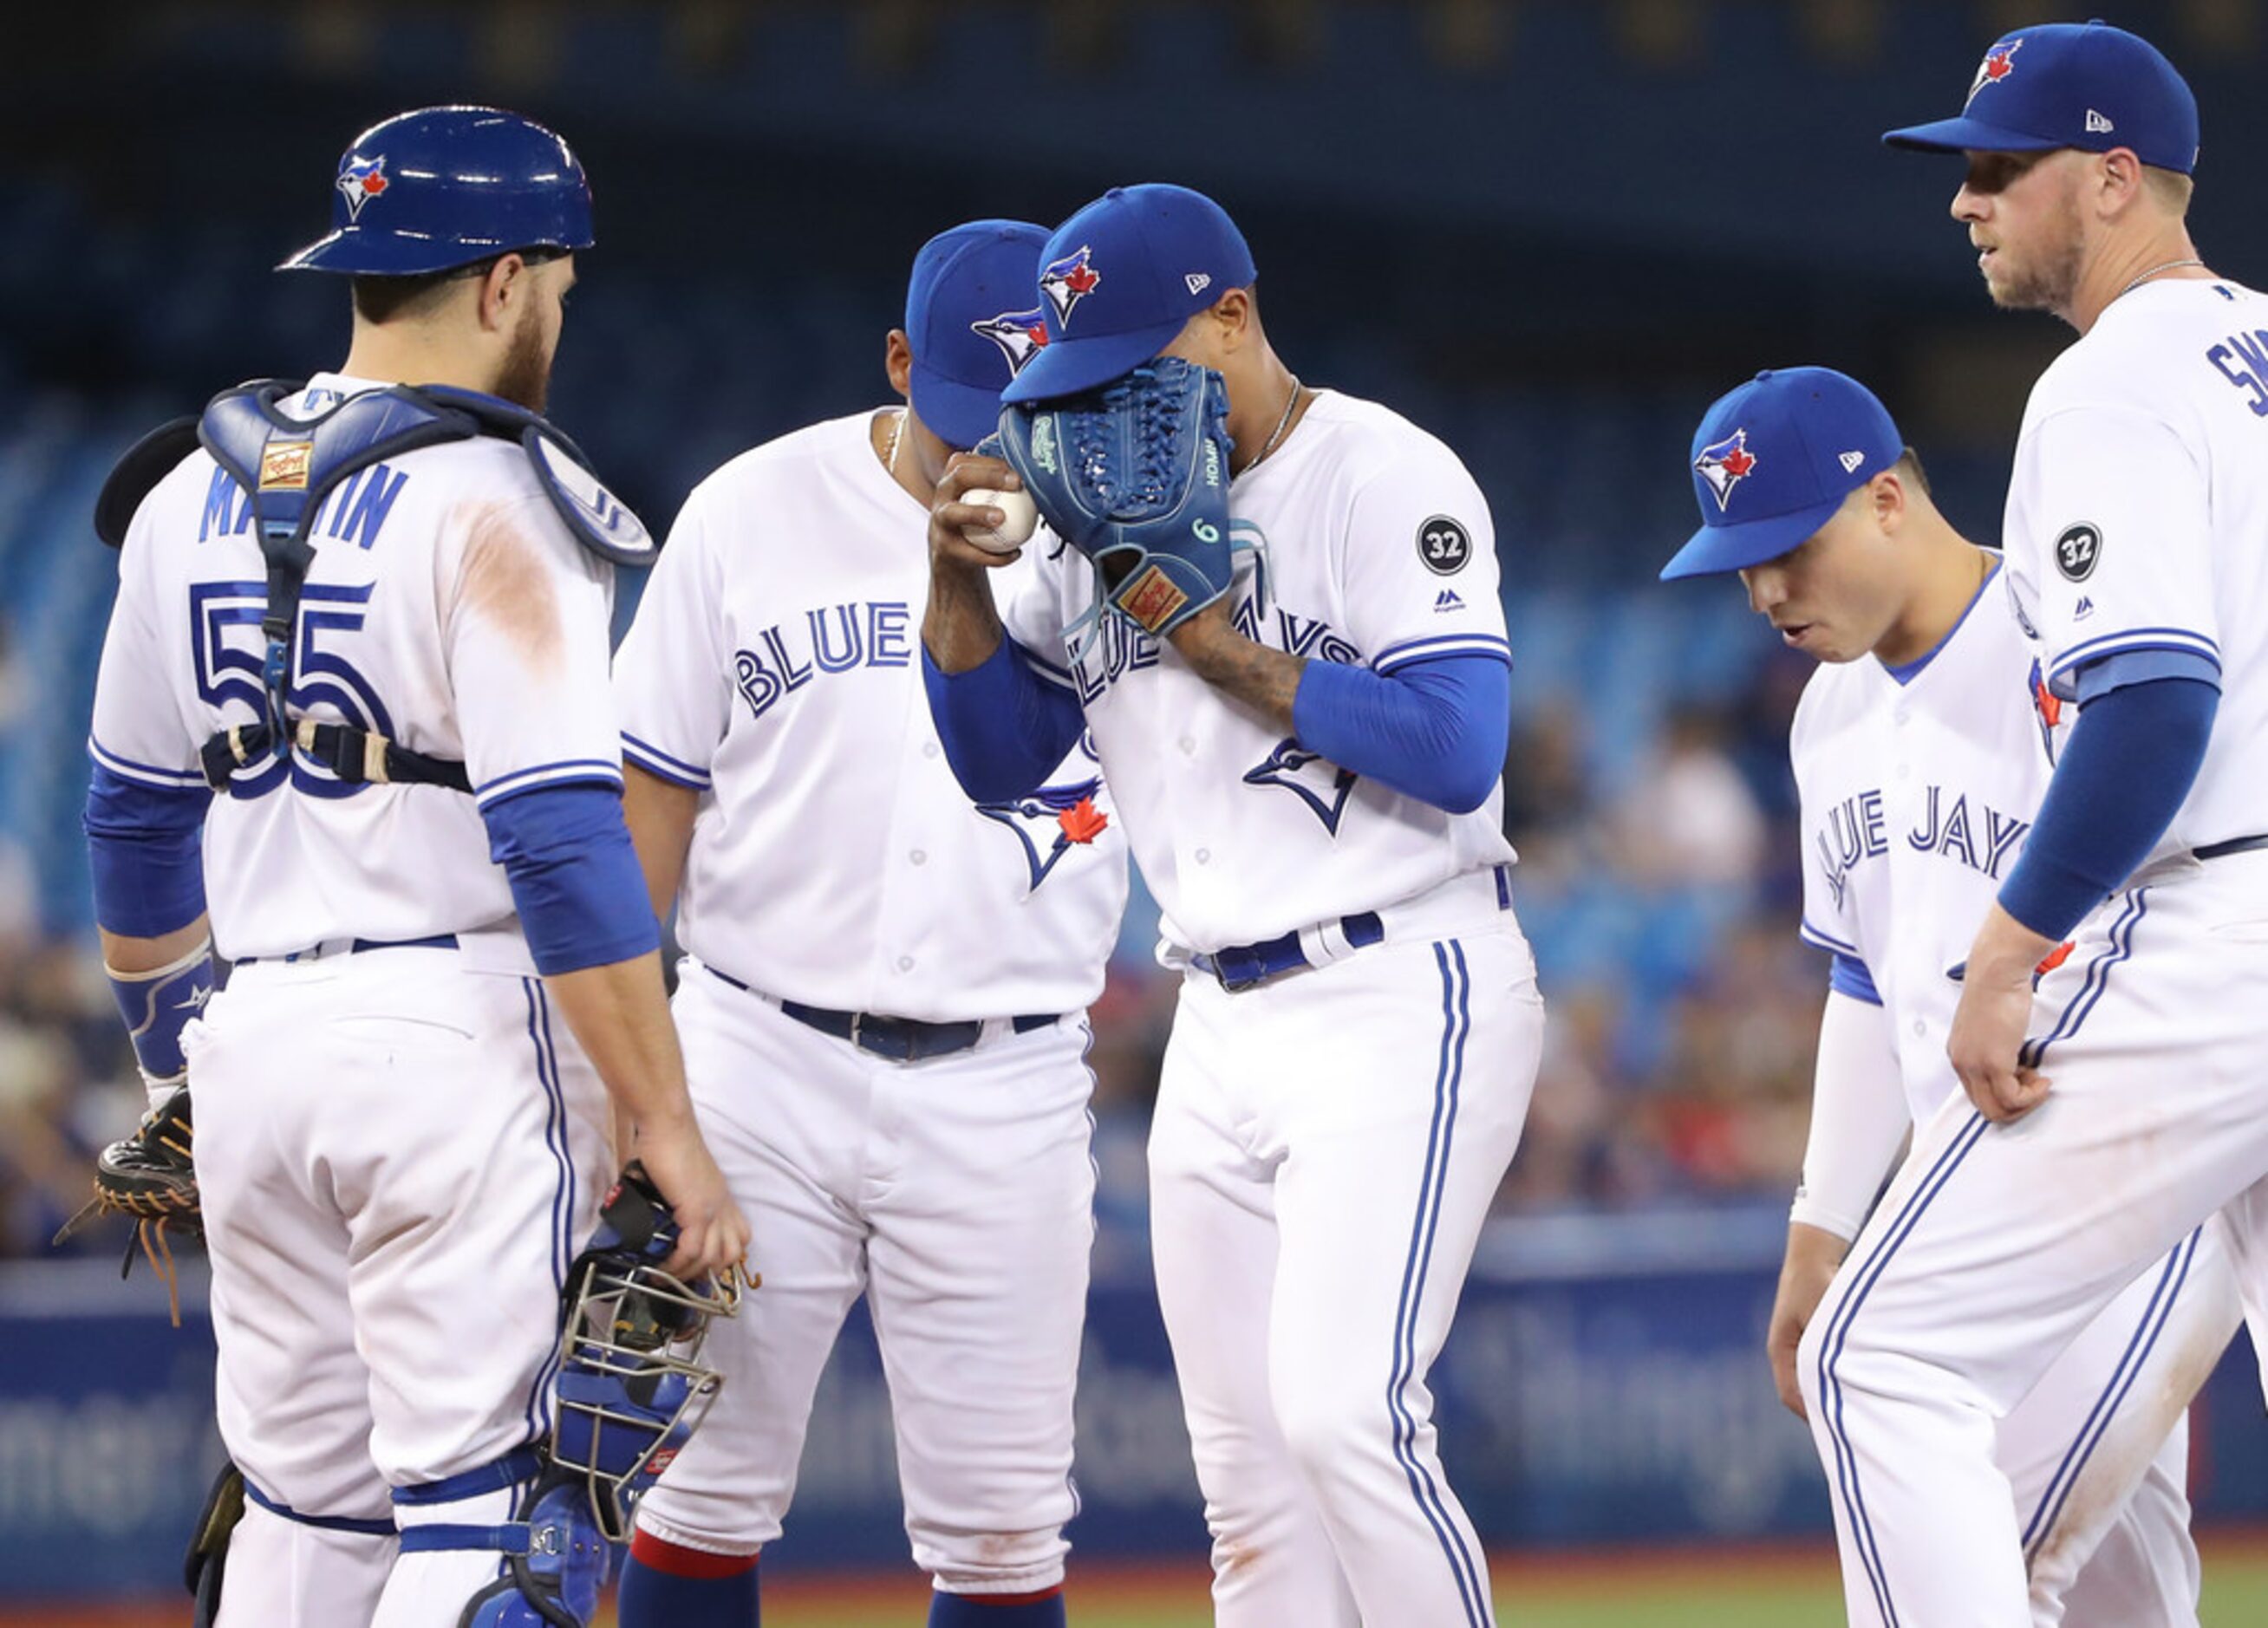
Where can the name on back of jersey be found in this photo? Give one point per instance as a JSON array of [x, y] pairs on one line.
[[825, 639], [353, 512], [1977, 836]]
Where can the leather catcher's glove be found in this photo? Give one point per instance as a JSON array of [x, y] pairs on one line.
[[149, 1177], [1135, 477]]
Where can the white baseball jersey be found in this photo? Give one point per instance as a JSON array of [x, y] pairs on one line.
[[486, 645], [2137, 514], [1916, 798], [774, 665], [1372, 546]]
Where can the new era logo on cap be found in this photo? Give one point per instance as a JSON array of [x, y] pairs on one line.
[[1199, 281], [2098, 124], [1851, 462]]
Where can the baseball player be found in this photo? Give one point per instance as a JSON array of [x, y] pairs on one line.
[[2114, 1107], [1309, 775], [1919, 754], [359, 652], [883, 1002]]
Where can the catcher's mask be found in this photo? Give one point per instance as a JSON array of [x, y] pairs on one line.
[[631, 1387]]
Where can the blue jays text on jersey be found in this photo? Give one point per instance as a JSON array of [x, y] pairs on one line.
[[825, 639], [1855, 831]]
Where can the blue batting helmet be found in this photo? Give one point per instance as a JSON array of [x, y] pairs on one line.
[[443, 187]]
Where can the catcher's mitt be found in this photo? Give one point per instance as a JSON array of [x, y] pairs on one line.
[[151, 1177], [1135, 477]]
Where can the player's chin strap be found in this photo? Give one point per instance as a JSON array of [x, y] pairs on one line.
[[630, 1394], [289, 466]]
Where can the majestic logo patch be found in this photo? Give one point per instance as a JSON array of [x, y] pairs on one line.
[[1999, 63], [1061, 817], [1447, 601], [1021, 334], [1725, 464], [283, 466], [1444, 546], [1066, 282], [1315, 781], [361, 180], [2076, 552]]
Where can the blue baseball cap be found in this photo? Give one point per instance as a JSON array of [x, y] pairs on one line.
[[1774, 459], [2086, 85], [1121, 277], [973, 319], [440, 187]]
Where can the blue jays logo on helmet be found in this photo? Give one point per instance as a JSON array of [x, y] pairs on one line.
[[1066, 282], [1725, 464], [1061, 816], [1021, 334], [1999, 63], [1312, 779], [361, 180]]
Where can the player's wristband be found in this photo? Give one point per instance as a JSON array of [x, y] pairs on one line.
[[157, 1006]]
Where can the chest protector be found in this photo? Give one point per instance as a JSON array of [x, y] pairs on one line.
[[288, 466]]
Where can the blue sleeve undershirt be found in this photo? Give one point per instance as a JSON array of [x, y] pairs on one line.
[[1849, 977], [145, 853], [1433, 729], [1003, 726], [2131, 758], [575, 877]]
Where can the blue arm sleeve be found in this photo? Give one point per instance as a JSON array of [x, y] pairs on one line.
[[1433, 729], [1849, 977], [143, 849], [1004, 727], [2130, 761], [574, 876]]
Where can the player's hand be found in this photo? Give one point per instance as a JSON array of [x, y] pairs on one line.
[[1813, 1255], [1994, 1015], [711, 1234], [948, 513]]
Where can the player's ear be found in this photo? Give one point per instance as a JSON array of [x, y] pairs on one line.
[[2119, 180], [898, 361], [1886, 496], [1237, 317], [500, 289]]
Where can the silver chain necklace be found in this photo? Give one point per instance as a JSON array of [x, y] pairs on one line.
[[2171, 265], [1282, 425], [897, 432]]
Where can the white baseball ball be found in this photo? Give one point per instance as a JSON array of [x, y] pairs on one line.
[[1023, 519]]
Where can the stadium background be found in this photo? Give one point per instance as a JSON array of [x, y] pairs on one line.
[[1550, 231]]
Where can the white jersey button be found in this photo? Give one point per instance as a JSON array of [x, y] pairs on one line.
[[1204, 856], [1188, 745], [1920, 1028], [905, 963], [918, 856], [929, 748], [1901, 715]]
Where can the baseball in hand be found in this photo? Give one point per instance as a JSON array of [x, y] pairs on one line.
[[1013, 532]]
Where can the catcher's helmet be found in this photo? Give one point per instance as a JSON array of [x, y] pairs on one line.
[[443, 187]]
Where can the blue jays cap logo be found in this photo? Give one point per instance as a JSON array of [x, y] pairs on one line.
[[1066, 282], [361, 180], [1021, 334], [1999, 63], [1725, 464]]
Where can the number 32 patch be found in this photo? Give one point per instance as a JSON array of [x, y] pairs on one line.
[[2076, 552], [1444, 546]]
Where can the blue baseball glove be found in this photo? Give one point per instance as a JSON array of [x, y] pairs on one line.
[[1135, 477]]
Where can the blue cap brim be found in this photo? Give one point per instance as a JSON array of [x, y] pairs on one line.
[[961, 414], [1715, 550], [1068, 366], [1967, 135]]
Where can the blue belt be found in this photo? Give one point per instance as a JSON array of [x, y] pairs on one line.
[[355, 947], [901, 1039], [1241, 966]]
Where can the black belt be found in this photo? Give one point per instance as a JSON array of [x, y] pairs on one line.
[[355, 947], [2235, 844], [1241, 966], [901, 1039]]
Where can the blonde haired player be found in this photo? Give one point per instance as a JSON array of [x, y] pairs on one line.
[[353, 717], [2120, 1103], [1919, 754], [883, 1002]]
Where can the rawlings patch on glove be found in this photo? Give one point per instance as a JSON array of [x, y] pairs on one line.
[[151, 1177], [1135, 477]]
